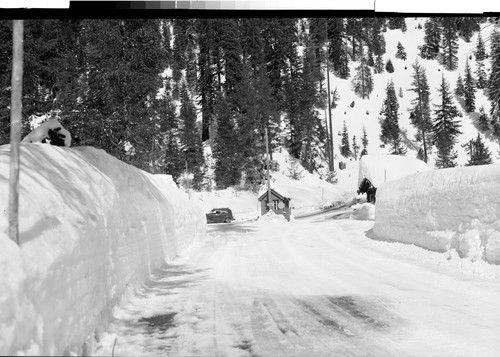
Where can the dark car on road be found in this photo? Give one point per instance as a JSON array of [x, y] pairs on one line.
[[219, 215]]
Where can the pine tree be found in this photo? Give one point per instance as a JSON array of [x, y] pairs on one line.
[[483, 120], [338, 47], [401, 53], [379, 64], [460, 88], [421, 113], [190, 138], [450, 44], [494, 83], [364, 142], [355, 147], [345, 147], [389, 67], [226, 152], [481, 75], [446, 128], [466, 26], [390, 133], [400, 92], [363, 80], [478, 153], [469, 89], [432, 39], [395, 23], [480, 49]]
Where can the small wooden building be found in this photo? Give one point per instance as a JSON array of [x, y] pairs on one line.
[[279, 203]]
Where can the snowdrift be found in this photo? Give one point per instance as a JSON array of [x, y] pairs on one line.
[[382, 168], [457, 208], [91, 229]]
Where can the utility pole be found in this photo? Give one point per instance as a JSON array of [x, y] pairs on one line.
[[267, 172], [15, 127], [331, 163]]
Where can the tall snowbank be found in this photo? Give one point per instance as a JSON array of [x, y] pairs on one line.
[[457, 208], [91, 228]]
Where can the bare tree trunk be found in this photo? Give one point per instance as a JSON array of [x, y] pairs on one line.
[[15, 128]]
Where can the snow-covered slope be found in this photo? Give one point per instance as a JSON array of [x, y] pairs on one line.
[[366, 112], [91, 228], [457, 208]]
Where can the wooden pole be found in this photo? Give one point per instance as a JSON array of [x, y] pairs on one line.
[[331, 161], [15, 127], [267, 172]]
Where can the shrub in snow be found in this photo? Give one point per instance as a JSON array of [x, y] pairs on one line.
[[49, 132]]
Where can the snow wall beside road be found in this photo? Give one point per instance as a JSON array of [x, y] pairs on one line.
[[456, 208], [92, 228]]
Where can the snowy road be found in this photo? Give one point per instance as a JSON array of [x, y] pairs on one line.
[[309, 289]]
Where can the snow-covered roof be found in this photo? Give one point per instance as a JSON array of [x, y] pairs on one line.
[[382, 168], [276, 188]]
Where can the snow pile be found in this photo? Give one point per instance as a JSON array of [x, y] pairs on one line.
[[457, 208], [364, 212], [91, 229], [50, 131], [382, 168], [270, 216]]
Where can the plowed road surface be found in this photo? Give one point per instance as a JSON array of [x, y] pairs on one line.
[[309, 289]]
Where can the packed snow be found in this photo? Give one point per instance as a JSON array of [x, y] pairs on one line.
[[92, 228], [382, 168], [455, 208]]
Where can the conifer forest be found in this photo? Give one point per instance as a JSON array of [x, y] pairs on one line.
[[154, 92]]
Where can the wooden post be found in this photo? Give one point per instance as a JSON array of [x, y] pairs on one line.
[[267, 171], [15, 127]]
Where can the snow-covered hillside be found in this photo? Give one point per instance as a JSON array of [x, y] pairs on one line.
[[367, 111], [91, 229]]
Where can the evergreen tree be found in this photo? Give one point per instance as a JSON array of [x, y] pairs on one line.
[[354, 33], [190, 138], [466, 27], [390, 132], [364, 143], [478, 153], [469, 89], [345, 147], [173, 163], [481, 75], [401, 53], [379, 64], [450, 44], [226, 152], [480, 49], [421, 113], [355, 147], [338, 47], [400, 93], [494, 83], [432, 39], [446, 128], [483, 120], [395, 23], [460, 88], [5, 79], [363, 80], [389, 67]]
